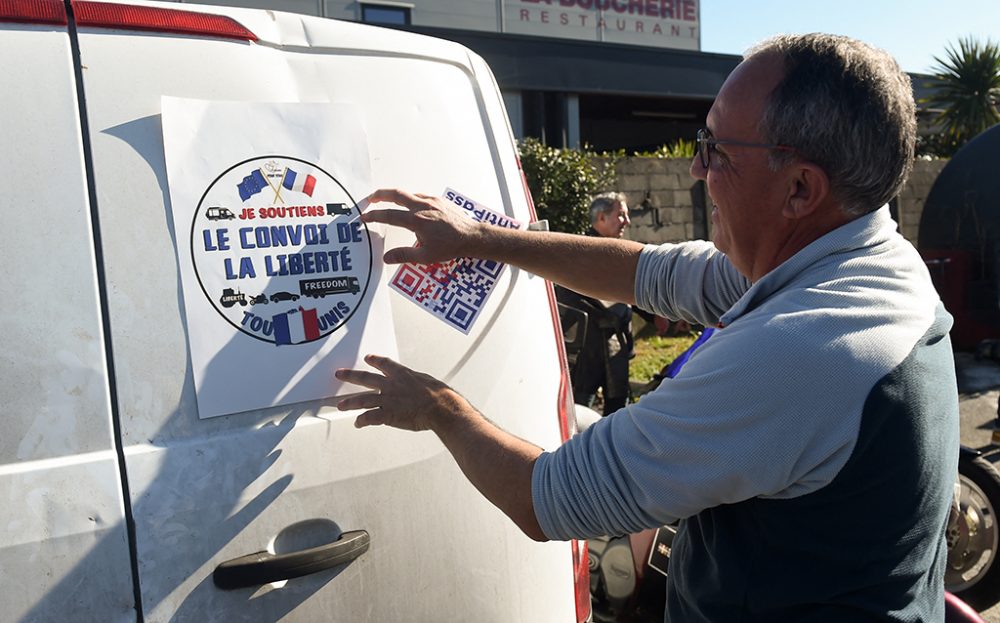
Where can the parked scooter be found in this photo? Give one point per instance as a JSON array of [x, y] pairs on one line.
[[973, 573]]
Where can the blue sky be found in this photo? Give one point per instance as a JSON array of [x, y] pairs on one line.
[[913, 31]]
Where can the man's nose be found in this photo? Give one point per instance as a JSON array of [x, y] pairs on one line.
[[698, 172]]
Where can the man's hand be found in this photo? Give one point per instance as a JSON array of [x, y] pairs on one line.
[[602, 268], [494, 461], [402, 398], [442, 230]]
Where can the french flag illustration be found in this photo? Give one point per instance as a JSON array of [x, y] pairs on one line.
[[295, 328], [299, 183]]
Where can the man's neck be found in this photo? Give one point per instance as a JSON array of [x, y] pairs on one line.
[[796, 235]]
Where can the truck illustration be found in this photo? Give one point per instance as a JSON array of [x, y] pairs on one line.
[[337, 209], [230, 298], [218, 214], [318, 288]]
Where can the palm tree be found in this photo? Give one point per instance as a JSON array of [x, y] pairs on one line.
[[966, 91]]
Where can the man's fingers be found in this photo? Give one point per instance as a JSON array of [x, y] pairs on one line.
[[368, 400], [374, 417], [386, 366], [397, 196], [360, 377], [404, 255], [398, 218]]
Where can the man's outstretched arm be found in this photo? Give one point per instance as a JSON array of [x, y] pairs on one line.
[[603, 268], [497, 463]]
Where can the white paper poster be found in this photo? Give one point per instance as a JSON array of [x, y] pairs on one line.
[[282, 281]]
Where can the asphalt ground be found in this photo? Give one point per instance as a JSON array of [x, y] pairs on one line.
[[979, 391]]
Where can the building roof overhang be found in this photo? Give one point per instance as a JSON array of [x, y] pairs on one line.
[[522, 62]]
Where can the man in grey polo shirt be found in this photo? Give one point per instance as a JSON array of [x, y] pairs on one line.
[[810, 446]]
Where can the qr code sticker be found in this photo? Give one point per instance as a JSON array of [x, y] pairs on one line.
[[455, 291]]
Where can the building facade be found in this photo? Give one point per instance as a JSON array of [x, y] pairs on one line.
[[610, 74]]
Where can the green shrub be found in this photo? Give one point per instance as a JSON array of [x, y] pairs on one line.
[[678, 149], [563, 181]]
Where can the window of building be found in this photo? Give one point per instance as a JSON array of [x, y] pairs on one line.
[[385, 14]]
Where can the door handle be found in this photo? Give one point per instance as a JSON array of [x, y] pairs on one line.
[[265, 567]]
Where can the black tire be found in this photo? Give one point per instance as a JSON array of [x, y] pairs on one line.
[[973, 572]]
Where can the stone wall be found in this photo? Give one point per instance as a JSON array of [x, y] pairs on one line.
[[668, 205], [910, 201]]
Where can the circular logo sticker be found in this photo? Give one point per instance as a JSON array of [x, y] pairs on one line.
[[280, 251]]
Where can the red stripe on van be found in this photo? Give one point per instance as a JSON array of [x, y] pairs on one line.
[[33, 11], [129, 17]]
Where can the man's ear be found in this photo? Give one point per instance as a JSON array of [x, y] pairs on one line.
[[808, 188]]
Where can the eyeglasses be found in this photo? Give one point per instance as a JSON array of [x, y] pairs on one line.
[[706, 145]]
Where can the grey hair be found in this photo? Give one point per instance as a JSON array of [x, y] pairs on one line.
[[605, 202], [847, 107]]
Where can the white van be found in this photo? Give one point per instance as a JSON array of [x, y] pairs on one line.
[[119, 502]]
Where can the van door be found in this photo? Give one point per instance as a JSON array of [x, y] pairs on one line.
[[207, 491], [63, 545]]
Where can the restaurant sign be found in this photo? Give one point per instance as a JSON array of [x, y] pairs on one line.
[[659, 23]]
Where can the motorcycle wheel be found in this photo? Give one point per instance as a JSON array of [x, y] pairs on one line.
[[973, 573]]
